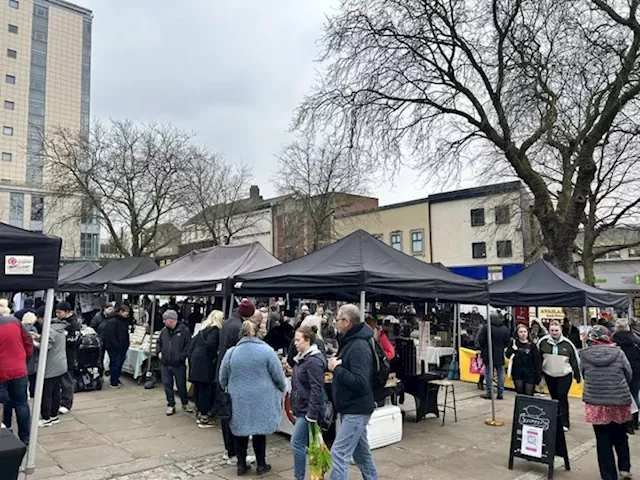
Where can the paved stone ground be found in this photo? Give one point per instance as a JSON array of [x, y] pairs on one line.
[[124, 434]]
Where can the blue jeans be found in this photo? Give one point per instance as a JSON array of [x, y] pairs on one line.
[[351, 442], [299, 444], [489, 378], [17, 393], [117, 356]]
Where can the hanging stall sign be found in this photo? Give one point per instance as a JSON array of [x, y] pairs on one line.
[[537, 434], [18, 264]]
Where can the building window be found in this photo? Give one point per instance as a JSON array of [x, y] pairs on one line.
[[613, 255], [503, 215], [12, 53], [378, 236], [7, 130], [479, 250], [9, 105], [37, 213], [16, 209], [396, 240], [634, 252], [477, 217], [417, 242], [89, 245], [7, 157], [10, 79], [14, 4], [504, 249], [13, 29]]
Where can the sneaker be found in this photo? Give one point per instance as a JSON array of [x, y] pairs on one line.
[[187, 408], [500, 397], [251, 459], [63, 410], [486, 396], [45, 423], [626, 475], [206, 422], [198, 418], [566, 429], [243, 469], [115, 386], [54, 420], [225, 456], [170, 410], [232, 461]]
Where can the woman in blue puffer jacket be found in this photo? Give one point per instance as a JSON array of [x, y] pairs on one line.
[[307, 385]]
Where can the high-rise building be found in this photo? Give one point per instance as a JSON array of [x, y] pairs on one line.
[[45, 82]]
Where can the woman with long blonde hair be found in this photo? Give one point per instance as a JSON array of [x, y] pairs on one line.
[[203, 353]]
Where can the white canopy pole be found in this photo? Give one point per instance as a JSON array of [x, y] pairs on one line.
[[362, 300], [152, 324], [584, 316], [37, 400], [491, 372], [630, 308]]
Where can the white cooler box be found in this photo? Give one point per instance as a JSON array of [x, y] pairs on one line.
[[385, 426]]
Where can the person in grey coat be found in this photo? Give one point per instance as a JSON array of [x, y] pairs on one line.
[[56, 368], [254, 378], [607, 400]]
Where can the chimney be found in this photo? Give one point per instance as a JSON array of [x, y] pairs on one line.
[[254, 192]]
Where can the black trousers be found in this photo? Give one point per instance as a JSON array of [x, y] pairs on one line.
[[609, 438], [559, 389], [203, 396], [51, 397], [524, 387], [259, 447], [32, 385], [179, 372], [230, 442]]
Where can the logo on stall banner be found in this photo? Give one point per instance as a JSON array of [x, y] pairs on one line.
[[534, 416], [18, 264]]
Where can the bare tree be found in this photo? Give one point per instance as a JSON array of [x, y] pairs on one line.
[[130, 177], [322, 179], [530, 86], [217, 192]]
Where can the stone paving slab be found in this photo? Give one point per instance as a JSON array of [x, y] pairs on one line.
[[124, 434]]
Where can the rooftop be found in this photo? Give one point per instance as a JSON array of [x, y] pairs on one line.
[[71, 6]]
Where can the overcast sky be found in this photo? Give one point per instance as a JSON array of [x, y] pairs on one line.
[[231, 71]]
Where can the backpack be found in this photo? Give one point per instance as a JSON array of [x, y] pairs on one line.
[[381, 366]]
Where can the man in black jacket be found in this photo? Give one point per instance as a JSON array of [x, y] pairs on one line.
[[173, 347], [65, 313], [500, 340], [353, 376], [115, 335]]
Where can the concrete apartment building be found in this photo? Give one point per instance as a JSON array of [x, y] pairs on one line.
[[477, 232], [45, 78]]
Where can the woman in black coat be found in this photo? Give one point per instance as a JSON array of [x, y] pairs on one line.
[[114, 332], [630, 345], [203, 353]]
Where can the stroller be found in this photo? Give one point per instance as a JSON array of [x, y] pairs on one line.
[[88, 372]]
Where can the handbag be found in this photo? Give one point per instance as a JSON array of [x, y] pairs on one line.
[[476, 366], [225, 409], [326, 416]]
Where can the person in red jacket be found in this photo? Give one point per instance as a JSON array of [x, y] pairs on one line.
[[381, 337], [16, 347]]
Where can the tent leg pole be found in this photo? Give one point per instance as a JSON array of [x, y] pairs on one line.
[[362, 300], [224, 305], [492, 373], [584, 315], [630, 308], [230, 305], [42, 365], [152, 322]]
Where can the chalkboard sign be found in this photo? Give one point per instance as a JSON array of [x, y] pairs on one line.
[[537, 434]]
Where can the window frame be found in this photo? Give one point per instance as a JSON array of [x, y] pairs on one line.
[[11, 28], [399, 234], [11, 53], [497, 209], [499, 250], [9, 105], [609, 256], [12, 77], [421, 232], [473, 250], [471, 215], [7, 157], [634, 252], [6, 129], [378, 236], [15, 4]]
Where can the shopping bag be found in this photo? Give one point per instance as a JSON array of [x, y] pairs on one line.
[[318, 453], [477, 366], [634, 406]]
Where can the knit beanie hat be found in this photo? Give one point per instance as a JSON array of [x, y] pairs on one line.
[[170, 315], [64, 307], [622, 325], [599, 334], [246, 309]]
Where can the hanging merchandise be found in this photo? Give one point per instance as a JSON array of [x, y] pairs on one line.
[[319, 454]]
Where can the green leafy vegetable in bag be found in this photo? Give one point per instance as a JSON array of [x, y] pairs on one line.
[[319, 454]]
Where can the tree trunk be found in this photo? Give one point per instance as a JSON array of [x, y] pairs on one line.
[[589, 274]]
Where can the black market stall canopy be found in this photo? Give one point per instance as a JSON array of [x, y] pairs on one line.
[[111, 272], [201, 272], [31, 260], [76, 270], [544, 284], [361, 263]]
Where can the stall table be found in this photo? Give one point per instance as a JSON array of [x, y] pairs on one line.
[[133, 362], [12, 452], [425, 394]]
